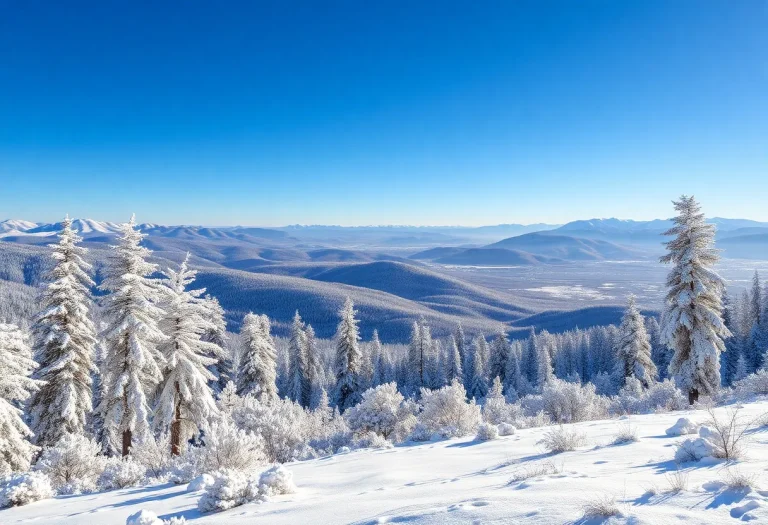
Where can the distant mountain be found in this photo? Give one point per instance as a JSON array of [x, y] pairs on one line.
[[495, 257], [80, 225], [16, 225], [566, 247]]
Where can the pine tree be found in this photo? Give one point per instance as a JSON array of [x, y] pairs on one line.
[[531, 358], [16, 386], [347, 358], [259, 362], [741, 369], [217, 334], [316, 377], [634, 350], [692, 325], [499, 356], [478, 383], [544, 372], [64, 341], [132, 362], [420, 350], [185, 402], [453, 362], [298, 366], [380, 366], [513, 385]]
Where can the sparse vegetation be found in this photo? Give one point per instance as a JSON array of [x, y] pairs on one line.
[[561, 439], [603, 506]]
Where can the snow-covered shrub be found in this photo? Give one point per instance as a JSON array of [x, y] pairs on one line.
[[561, 439], [506, 429], [663, 396], [753, 384], [568, 402], [282, 424], [233, 488], [201, 482], [328, 430], [371, 440], [606, 384], [73, 465], [487, 432], [682, 427], [382, 410], [228, 447], [446, 412], [154, 455], [20, 489], [230, 488], [143, 517], [120, 473], [728, 434], [601, 507], [496, 410], [276, 480], [626, 433], [694, 449]]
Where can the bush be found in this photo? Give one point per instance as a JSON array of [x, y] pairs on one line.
[[601, 507], [20, 489], [147, 517], [283, 425], [659, 397], [626, 433], [505, 429], [487, 432], [201, 482], [695, 449], [728, 434], [753, 384], [682, 427], [496, 410], [154, 455], [120, 473], [568, 402], [382, 410], [561, 439], [371, 440], [232, 488], [737, 480], [447, 413], [73, 465], [544, 468]]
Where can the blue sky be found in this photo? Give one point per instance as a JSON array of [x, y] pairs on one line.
[[382, 112]]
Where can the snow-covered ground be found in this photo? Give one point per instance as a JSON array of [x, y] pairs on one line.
[[464, 481]]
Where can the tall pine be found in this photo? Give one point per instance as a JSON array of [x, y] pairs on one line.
[[258, 373], [348, 358], [634, 349]]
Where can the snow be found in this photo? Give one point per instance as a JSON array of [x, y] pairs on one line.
[[464, 481]]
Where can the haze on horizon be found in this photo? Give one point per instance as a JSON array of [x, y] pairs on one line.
[[352, 114]]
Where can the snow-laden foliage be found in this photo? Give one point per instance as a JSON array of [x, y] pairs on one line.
[[120, 473], [753, 384], [634, 348], [226, 447], [259, 372], [496, 410], [73, 464], [185, 400], [64, 341], [506, 429], [147, 517], [567, 402], [299, 388], [487, 432], [200, 483], [232, 488], [662, 396], [16, 365], [154, 455], [692, 323], [562, 439], [132, 366], [385, 411], [682, 426], [447, 413], [348, 358], [24, 488]]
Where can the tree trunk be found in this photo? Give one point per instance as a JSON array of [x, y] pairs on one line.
[[693, 396], [127, 435], [176, 427]]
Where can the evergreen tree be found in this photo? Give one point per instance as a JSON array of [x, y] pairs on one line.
[[298, 365], [634, 350], [453, 362], [544, 372], [513, 385], [64, 341], [380, 364], [316, 377], [132, 362], [216, 333], [531, 358], [729, 358], [16, 386], [185, 402], [478, 382], [347, 358], [741, 369], [419, 357], [497, 367], [692, 325], [259, 361]]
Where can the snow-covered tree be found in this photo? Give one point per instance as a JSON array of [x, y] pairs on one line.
[[544, 372], [453, 362], [64, 341], [216, 333], [131, 368], [259, 369], [348, 358], [420, 357], [185, 400], [16, 385], [692, 323], [479, 382], [314, 368], [380, 364], [298, 366], [513, 384], [497, 367], [634, 350], [382, 410]]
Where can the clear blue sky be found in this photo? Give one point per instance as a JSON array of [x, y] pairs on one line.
[[382, 112]]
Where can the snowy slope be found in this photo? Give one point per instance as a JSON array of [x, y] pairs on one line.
[[462, 481], [16, 225]]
